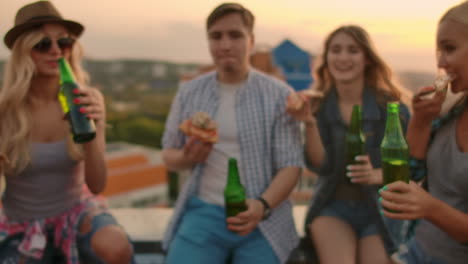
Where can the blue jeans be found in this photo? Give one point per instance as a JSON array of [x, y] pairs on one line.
[[355, 213], [202, 237], [85, 250], [416, 255], [400, 231]]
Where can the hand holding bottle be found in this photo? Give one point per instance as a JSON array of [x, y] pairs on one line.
[[83, 129], [245, 222], [364, 173], [402, 200], [91, 104]]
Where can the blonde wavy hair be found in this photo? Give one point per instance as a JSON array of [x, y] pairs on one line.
[[458, 13], [377, 74], [15, 115]]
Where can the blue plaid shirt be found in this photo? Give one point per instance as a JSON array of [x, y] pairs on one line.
[[269, 141]]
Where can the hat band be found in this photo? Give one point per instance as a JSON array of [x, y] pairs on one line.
[[43, 17]]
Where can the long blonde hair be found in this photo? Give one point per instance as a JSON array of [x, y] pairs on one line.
[[15, 116], [458, 13], [377, 74]]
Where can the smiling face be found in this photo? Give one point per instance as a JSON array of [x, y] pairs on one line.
[[452, 51], [45, 60], [345, 59], [230, 43]]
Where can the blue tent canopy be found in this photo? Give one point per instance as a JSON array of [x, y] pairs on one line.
[[294, 63]]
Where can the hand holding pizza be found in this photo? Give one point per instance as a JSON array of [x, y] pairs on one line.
[[296, 101], [201, 127], [301, 106]]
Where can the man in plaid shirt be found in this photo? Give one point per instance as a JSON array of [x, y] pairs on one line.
[[253, 127]]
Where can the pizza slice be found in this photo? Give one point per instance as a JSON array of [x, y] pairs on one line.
[[441, 83], [200, 126], [295, 101]]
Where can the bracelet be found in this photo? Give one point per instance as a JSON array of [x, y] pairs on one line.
[[266, 208], [418, 168]]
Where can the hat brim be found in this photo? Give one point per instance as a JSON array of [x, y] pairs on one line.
[[73, 27]]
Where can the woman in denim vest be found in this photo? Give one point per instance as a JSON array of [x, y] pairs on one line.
[[344, 217]]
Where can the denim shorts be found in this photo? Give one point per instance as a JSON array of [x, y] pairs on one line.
[[355, 213], [416, 255], [98, 221], [202, 237]]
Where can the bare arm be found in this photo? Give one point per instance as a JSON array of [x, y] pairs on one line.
[[412, 202], [417, 136], [419, 128], [95, 164], [92, 102], [449, 219], [192, 153], [313, 143], [281, 186], [175, 160], [287, 161]]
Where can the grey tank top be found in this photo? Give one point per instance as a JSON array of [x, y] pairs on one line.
[[50, 184], [448, 181]]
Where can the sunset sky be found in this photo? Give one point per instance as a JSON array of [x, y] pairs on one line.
[[403, 30]]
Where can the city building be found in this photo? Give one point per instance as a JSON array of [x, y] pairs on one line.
[[136, 176]]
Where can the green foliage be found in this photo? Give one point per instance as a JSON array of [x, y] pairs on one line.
[[143, 123], [138, 130]]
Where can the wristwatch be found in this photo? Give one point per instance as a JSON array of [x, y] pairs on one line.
[[266, 208]]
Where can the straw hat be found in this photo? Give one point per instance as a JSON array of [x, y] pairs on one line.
[[36, 14]]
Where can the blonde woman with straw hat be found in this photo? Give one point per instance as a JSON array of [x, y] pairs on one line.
[[51, 182]]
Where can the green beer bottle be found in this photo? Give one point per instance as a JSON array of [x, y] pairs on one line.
[[394, 149], [355, 144], [82, 128], [234, 192], [173, 186]]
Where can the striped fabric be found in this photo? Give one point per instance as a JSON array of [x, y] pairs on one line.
[[269, 141]]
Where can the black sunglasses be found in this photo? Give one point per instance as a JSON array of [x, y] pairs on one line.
[[45, 44]]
